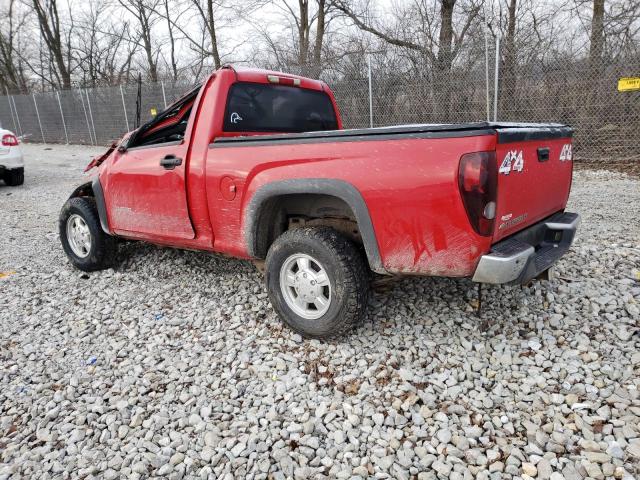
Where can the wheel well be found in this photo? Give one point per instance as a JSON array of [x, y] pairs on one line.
[[84, 190], [284, 212], [94, 189]]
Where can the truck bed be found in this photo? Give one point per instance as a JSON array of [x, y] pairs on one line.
[[408, 177]]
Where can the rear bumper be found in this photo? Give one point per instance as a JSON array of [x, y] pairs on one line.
[[11, 158], [4, 169], [528, 253]]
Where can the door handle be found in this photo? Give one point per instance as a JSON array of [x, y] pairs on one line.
[[170, 162], [543, 154]]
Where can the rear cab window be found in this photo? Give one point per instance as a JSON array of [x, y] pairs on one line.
[[257, 107]]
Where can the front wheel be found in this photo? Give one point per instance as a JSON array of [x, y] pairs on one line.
[[88, 247], [317, 282]]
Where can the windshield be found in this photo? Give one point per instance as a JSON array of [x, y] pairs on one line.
[[256, 107]]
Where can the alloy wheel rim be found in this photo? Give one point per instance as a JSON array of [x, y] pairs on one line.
[[78, 236], [305, 286]]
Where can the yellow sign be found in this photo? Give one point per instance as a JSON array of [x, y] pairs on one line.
[[629, 84], [154, 112]]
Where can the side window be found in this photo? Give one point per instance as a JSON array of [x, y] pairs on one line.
[[257, 107], [168, 126]]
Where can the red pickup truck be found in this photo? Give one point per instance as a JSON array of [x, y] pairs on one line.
[[255, 164]]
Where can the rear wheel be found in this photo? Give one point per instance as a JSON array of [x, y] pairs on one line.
[[88, 247], [14, 177], [317, 282]]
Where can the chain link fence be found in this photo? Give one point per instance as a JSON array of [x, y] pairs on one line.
[[606, 122], [91, 116]]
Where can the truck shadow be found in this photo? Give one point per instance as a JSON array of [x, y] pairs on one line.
[[451, 304], [132, 254], [409, 305]]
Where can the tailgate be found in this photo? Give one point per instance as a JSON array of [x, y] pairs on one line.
[[535, 165]]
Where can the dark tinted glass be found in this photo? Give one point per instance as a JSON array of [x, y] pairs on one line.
[[256, 107]]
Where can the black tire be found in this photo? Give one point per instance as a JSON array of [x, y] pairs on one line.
[[14, 177], [103, 250], [348, 276]]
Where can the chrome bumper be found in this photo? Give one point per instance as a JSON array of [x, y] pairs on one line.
[[528, 253]]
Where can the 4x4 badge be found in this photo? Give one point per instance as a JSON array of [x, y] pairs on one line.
[[566, 154], [513, 161]]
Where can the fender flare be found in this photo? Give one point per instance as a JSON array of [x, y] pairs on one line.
[[324, 186], [94, 189]]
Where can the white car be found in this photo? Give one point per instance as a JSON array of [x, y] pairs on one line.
[[11, 162]]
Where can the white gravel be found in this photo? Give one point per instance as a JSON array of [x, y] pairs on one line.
[[174, 364]]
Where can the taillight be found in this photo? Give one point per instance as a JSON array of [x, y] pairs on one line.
[[477, 180], [9, 140]]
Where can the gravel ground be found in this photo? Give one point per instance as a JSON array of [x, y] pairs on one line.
[[174, 364]]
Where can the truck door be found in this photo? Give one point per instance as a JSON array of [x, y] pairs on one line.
[[145, 193], [145, 186]]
